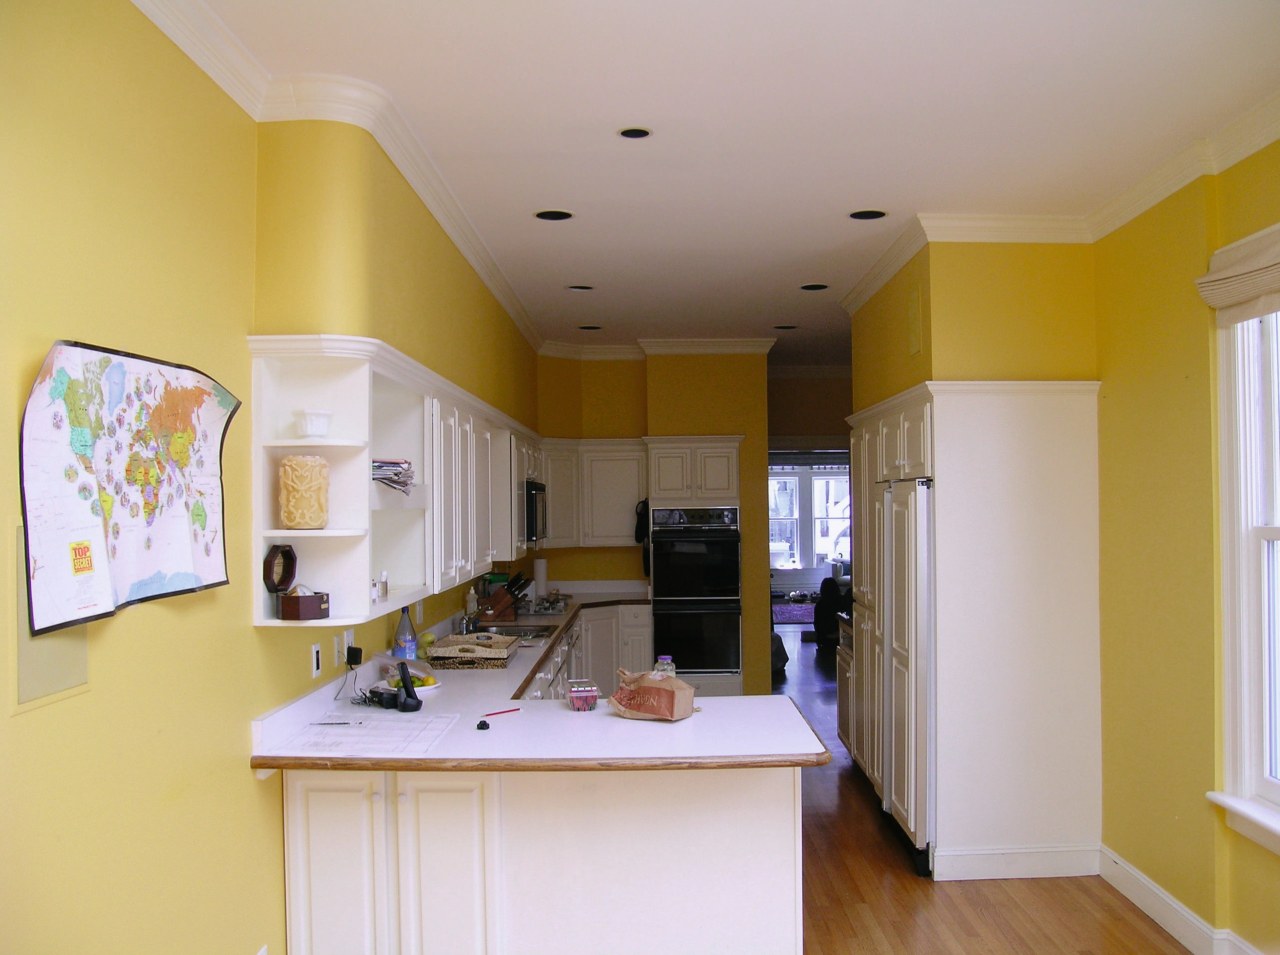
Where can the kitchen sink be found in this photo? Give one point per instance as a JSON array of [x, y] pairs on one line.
[[529, 632]]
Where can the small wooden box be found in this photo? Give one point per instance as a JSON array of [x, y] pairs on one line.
[[303, 606]]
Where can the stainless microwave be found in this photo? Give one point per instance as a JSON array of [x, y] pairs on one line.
[[535, 511]]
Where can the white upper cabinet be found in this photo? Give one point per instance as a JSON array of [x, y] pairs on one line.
[[614, 481], [906, 440], [456, 519], [379, 407], [699, 470], [560, 474]]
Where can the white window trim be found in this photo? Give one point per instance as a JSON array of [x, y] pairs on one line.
[[1250, 799]]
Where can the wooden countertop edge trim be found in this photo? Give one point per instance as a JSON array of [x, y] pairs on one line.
[[621, 764]]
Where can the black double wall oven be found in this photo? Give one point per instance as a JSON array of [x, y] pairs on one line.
[[697, 588]]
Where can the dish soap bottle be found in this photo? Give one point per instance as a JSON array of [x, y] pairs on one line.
[[664, 667], [405, 642]]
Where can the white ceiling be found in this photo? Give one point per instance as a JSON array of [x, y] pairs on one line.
[[771, 122]]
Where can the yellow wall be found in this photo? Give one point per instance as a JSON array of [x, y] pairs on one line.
[[728, 394], [892, 348], [592, 399], [1157, 544], [131, 821], [1124, 310], [1012, 312], [614, 399], [346, 247], [1249, 201], [145, 211], [810, 406], [559, 397]]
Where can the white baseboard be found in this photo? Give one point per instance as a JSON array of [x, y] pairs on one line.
[[1021, 862], [1197, 935]]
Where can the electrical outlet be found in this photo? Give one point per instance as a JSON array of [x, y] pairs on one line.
[[263, 950], [315, 660], [417, 611], [348, 641]]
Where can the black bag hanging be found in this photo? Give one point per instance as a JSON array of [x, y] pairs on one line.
[[642, 532]]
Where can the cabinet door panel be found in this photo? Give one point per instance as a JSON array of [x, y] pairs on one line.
[[337, 866], [447, 837], [669, 472], [717, 474], [603, 638], [612, 484]]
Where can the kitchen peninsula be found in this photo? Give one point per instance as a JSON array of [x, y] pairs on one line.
[[551, 828]]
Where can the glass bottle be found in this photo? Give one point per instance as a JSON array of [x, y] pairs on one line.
[[664, 666]]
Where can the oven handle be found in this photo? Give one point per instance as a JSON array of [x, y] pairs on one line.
[[659, 533], [673, 605]]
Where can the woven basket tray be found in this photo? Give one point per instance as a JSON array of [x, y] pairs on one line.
[[470, 646], [469, 663]]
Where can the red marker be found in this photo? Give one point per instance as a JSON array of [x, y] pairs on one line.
[[514, 709]]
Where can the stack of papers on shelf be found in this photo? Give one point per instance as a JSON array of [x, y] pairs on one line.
[[396, 474]]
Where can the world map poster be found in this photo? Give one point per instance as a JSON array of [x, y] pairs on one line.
[[121, 460]]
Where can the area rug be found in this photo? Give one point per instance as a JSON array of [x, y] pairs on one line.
[[787, 612]]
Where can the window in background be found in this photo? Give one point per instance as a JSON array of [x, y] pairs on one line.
[[784, 513], [808, 515]]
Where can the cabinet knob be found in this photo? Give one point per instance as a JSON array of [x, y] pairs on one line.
[[376, 795]]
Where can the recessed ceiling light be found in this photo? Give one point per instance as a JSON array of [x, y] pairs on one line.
[[554, 215], [589, 328], [634, 132], [867, 214], [813, 287], [580, 288], [784, 328]]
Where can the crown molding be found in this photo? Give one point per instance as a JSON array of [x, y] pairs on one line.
[[706, 346], [591, 352], [1022, 229], [904, 248], [199, 33]]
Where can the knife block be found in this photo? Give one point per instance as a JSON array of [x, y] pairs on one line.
[[498, 607]]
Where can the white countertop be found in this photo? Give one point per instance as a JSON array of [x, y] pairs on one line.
[[726, 731]]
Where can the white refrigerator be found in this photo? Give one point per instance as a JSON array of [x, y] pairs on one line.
[[908, 627]]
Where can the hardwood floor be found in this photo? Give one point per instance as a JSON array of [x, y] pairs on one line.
[[861, 894]]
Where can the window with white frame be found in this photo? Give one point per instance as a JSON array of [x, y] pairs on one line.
[[1244, 287], [808, 515]]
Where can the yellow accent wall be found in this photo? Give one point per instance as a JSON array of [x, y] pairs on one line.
[[130, 820], [1011, 312], [559, 397], [614, 399], [1126, 311], [1248, 197], [346, 247], [1157, 557], [810, 406], [145, 211], [728, 394], [592, 399], [892, 336]]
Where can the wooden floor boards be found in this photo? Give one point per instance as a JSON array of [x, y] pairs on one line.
[[861, 894]]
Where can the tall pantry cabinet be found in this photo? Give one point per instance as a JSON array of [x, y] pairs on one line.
[[974, 695]]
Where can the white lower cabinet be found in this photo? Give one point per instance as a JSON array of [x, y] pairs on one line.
[[636, 635], [388, 863], [844, 697], [602, 636]]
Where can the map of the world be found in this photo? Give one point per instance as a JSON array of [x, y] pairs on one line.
[[121, 461]]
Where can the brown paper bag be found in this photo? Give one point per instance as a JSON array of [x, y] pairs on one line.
[[649, 696]]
